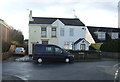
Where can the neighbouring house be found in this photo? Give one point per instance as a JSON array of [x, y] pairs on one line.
[[103, 34], [64, 32], [4, 36]]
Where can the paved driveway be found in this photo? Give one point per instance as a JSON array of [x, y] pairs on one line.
[[99, 70]]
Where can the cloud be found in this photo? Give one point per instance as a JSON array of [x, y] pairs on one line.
[[91, 12]]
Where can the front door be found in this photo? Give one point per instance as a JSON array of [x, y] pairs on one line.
[[82, 46]]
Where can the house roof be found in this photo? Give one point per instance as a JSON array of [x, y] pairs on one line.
[[80, 40], [48, 20], [108, 30]]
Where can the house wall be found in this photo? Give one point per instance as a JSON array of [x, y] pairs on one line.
[[89, 37], [35, 36], [4, 34], [78, 33]]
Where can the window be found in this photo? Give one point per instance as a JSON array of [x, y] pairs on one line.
[[82, 46], [71, 32], [49, 49], [114, 36], [58, 50], [101, 35], [62, 32], [66, 45], [44, 42], [53, 32], [43, 32]]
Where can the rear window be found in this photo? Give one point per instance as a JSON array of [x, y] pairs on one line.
[[43, 49], [49, 49], [19, 48], [38, 49]]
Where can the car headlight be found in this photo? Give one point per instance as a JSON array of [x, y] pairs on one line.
[[71, 55]]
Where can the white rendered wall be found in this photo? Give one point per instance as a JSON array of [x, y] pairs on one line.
[[35, 36], [89, 37], [78, 33]]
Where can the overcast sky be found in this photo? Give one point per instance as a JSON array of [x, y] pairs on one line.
[[91, 12]]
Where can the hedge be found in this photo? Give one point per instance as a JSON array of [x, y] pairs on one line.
[[113, 46], [92, 54]]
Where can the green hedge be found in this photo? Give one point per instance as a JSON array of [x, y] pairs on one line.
[[92, 54], [113, 46]]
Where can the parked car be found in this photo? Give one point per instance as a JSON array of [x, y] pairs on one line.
[[49, 52], [20, 50]]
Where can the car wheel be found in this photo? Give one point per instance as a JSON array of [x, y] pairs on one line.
[[39, 60], [67, 60]]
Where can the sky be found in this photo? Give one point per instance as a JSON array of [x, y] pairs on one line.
[[102, 13]]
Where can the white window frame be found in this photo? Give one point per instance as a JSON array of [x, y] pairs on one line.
[[101, 35], [43, 32], [62, 32], [114, 35], [53, 32], [71, 32]]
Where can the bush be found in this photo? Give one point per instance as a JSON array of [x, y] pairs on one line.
[[96, 46], [113, 46]]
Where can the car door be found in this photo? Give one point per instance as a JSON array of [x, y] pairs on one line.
[[49, 53], [59, 54]]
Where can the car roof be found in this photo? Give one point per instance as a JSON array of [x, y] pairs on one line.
[[44, 45]]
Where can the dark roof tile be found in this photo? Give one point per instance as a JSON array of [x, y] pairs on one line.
[[108, 30], [66, 21]]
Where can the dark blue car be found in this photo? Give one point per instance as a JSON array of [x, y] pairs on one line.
[[48, 52]]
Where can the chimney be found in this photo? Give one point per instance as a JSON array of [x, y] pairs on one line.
[[30, 16]]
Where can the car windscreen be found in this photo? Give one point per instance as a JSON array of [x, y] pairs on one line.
[[19, 49]]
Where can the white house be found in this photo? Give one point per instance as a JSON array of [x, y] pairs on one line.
[[63, 32]]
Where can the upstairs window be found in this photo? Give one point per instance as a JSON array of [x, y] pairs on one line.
[[62, 32], [53, 32], [114, 35], [101, 35], [71, 32], [43, 32]]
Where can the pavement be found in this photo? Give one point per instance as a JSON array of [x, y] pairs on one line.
[[24, 59]]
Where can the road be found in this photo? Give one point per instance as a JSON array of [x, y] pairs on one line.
[[95, 70]]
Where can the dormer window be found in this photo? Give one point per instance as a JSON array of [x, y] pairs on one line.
[[101, 35], [114, 35]]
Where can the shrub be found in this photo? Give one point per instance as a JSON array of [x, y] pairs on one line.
[[113, 46], [96, 46]]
